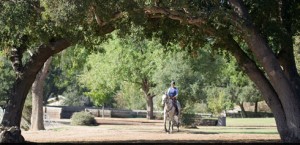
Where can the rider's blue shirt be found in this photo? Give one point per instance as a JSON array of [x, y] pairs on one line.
[[172, 92]]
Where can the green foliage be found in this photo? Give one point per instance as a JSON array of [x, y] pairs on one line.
[[74, 98], [218, 100], [136, 57], [96, 77], [297, 52], [26, 114], [6, 77], [191, 72], [130, 97], [187, 119], [65, 68], [238, 85], [126, 61], [17, 18], [83, 118]]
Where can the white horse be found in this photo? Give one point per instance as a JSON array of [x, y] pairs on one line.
[[170, 114]]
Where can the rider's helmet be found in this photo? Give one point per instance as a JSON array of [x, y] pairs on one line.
[[172, 82]]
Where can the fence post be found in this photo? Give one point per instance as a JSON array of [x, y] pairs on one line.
[[222, 119]]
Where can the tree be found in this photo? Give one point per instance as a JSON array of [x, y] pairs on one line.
[[191, 72], [217, 100], [37, 89], [45, 28], [136, 65], [235, 23], [63, 76], [130, 96], [6, 79], [239, 86], [48, 27], [127, 59], [252, 95]]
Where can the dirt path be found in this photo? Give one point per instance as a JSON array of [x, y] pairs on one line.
[[131, 130]]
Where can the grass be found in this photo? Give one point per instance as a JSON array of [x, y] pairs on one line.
[[254, 122], [238, 130], [242, 126], [59, 129]]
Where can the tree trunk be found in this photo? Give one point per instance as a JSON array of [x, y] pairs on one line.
[[288, 97], [150, 108], [286, 55], [256, 106], [244, 114], [13, 112], [149, 98], [278, 87], [262, 83], [37, 120]]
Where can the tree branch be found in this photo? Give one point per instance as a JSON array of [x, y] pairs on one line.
[[240, 9], [258, 77], [43, 53], [186, 17], [102, 23], [16, 55]]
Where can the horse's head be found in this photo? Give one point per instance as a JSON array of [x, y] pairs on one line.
[[163, 99], [166, 99]]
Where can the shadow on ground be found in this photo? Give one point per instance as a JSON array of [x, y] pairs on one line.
[[171, 141]]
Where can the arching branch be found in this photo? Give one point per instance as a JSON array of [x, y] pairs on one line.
[[183, 17]]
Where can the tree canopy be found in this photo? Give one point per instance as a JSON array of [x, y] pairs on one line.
[[259, 34]]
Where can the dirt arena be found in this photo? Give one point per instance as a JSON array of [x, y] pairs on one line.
[[111, 130]]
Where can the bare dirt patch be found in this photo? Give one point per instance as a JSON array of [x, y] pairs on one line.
[[113, 130]]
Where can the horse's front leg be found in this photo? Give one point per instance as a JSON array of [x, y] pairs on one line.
[[170, 129], [176, 119], [165, 122], [178, 125], [171, 125]]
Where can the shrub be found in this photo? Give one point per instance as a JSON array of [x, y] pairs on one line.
[[83, 118], [75, 98], [188, 120]]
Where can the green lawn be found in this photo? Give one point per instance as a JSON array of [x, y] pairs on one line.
[[251, 122], [237, 130], [242, 126]]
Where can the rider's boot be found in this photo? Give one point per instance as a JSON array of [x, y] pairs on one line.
[[176, 110], [176, 107]]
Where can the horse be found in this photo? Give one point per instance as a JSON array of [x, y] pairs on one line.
[[169, 113]]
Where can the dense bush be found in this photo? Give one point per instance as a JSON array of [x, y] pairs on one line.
[[187, 120], [73, 97], [83, 118]]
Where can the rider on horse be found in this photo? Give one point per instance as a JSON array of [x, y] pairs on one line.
[[173, 93]]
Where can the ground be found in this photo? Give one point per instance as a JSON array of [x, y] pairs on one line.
[[142, 130]]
